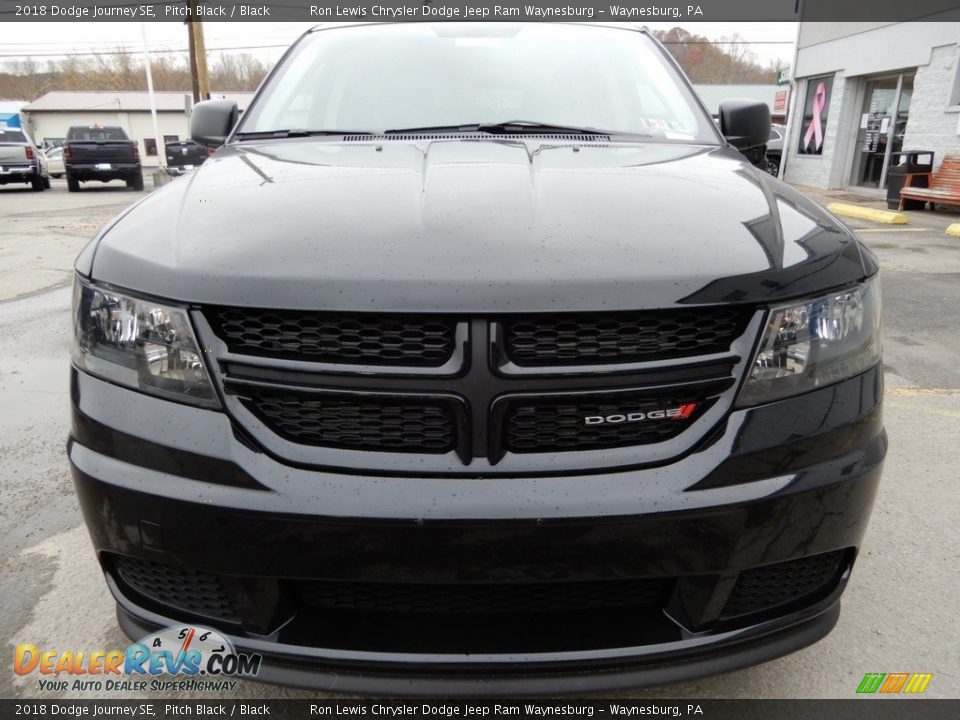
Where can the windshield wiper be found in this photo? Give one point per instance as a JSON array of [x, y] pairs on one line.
[[297, 132], [522, 126], [502, 128]]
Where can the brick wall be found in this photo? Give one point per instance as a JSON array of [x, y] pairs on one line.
[[931, 126]]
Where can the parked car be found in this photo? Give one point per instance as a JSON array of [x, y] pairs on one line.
[[444, 375], [21, 161], [55, 162], [101, 152], [774, 152], [184, 156]]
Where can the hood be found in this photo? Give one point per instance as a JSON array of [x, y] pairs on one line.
[[476, 225]]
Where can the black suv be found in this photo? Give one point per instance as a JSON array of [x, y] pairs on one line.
[[477, 360]]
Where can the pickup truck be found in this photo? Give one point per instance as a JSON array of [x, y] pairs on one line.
[[184, 156], [98, 152], [20, 161]]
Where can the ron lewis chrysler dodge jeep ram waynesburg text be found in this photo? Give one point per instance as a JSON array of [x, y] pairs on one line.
[[475, 360]]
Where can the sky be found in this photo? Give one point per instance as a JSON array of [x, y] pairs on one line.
[[268, 40]]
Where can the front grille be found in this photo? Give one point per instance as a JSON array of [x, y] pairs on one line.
[[192, 591], [467, 599], [470, 390], [568, 339], [767, 587], [336, 337], [411, 424], [542, 426]]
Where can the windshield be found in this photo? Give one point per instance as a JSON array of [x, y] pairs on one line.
[[384, 77]]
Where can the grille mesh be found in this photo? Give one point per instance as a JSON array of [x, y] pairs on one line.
[[620, 337], [336, 337], [388, 424], [545, 426], [189, 590], [479, 599], [767, 587]]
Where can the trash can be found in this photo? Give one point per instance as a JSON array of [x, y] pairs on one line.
[[910, 164]]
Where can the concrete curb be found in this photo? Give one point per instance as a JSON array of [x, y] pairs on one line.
[[863, 213]]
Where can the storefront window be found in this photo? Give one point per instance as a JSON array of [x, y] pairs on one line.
[[815, 109]]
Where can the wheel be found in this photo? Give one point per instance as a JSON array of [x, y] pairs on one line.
[[773, 166], [135, 181], [73, 185], [37, 184], [56, 175], [46, 183]]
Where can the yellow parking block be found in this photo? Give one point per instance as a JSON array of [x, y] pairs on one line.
[[954, 230], [864, 213]]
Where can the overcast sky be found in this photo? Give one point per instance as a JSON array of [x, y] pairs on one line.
[[47, 40]]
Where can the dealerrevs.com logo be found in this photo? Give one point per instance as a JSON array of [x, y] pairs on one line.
[[173, 659]]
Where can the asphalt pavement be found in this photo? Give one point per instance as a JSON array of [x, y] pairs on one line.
[[901, 612]]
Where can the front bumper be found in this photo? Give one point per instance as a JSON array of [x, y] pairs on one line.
[[177, 488]]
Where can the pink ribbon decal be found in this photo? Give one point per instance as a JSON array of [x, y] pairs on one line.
[[815, 129]]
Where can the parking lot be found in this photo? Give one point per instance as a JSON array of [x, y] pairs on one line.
[[901, 612]]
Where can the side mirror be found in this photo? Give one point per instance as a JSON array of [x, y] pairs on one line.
[[212, 121], [745, 123]]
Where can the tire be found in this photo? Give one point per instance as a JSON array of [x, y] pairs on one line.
[[46, 183], [773, 166], [135, 181], [37, 184], [56, 175], [73, 185]]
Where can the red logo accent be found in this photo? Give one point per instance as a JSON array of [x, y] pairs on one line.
[[686, 410]]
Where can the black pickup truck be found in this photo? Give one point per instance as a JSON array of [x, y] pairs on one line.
[[185, 155], [98, 152]]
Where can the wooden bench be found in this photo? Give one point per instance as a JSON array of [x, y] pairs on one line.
[[943, 186]]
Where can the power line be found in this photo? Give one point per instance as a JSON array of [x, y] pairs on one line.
[[26, 54], [137, 52]]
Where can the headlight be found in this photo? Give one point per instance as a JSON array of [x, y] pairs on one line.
[[810, 344], [139, 343]]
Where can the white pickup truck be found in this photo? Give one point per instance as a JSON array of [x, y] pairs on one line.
[[20, 160]]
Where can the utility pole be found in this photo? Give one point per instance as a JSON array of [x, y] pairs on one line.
[[198, 56], [195, 84]]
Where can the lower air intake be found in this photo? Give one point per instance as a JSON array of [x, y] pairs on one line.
[[191, 591], [770, 586]]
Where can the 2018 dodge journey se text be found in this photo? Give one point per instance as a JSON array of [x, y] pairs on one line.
[[479, 360]]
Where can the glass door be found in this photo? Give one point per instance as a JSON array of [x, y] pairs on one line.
[[883, 122]]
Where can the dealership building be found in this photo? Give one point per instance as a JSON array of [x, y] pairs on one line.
[[49, 117], [865, 92]]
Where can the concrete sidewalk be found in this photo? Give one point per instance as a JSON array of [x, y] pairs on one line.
[[937, 220]]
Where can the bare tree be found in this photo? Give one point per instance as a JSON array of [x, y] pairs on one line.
[[122, 69]]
